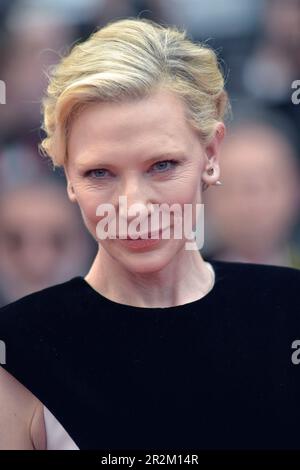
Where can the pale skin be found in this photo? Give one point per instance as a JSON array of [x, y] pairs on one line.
[[119, 147], [116, 149], [22, 424]]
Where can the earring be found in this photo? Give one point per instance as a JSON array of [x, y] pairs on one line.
[[210, 172], [205, 185]]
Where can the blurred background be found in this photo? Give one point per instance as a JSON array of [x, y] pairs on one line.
[[252, 217]]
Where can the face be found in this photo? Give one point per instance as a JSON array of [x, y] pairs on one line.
[[41, 241], [146, 151], [259, 201]]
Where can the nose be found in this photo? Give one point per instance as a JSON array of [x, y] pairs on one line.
[[134, 200]]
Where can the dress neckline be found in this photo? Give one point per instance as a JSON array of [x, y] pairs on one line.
[[207, 298]]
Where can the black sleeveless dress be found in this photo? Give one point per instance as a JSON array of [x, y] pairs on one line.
[[217, 373]]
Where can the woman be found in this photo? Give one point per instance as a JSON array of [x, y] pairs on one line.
[[155, 347]]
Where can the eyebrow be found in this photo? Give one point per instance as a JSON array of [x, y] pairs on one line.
[[107, 163]]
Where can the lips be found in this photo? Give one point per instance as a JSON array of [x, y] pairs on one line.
[[147, 237], [139, 238]]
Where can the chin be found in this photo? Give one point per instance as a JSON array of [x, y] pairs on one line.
[[146, 262]]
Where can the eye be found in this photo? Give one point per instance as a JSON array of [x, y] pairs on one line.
[[164, 165], [98, 174]]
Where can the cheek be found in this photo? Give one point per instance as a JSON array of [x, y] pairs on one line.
[[88, 203], [189, 197], [184, 189]]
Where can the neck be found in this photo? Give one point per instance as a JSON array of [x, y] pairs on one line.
[[185, 279]]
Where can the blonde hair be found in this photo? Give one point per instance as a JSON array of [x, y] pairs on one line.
[[129, 59]]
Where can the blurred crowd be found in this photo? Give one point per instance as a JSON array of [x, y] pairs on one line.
[[253, 216]]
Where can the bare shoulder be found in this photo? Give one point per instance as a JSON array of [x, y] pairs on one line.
[[22, 424]]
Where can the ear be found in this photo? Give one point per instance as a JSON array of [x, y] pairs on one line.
[[211, 170], [70, 189]]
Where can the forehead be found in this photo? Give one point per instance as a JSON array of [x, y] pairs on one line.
[[157, 121]]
